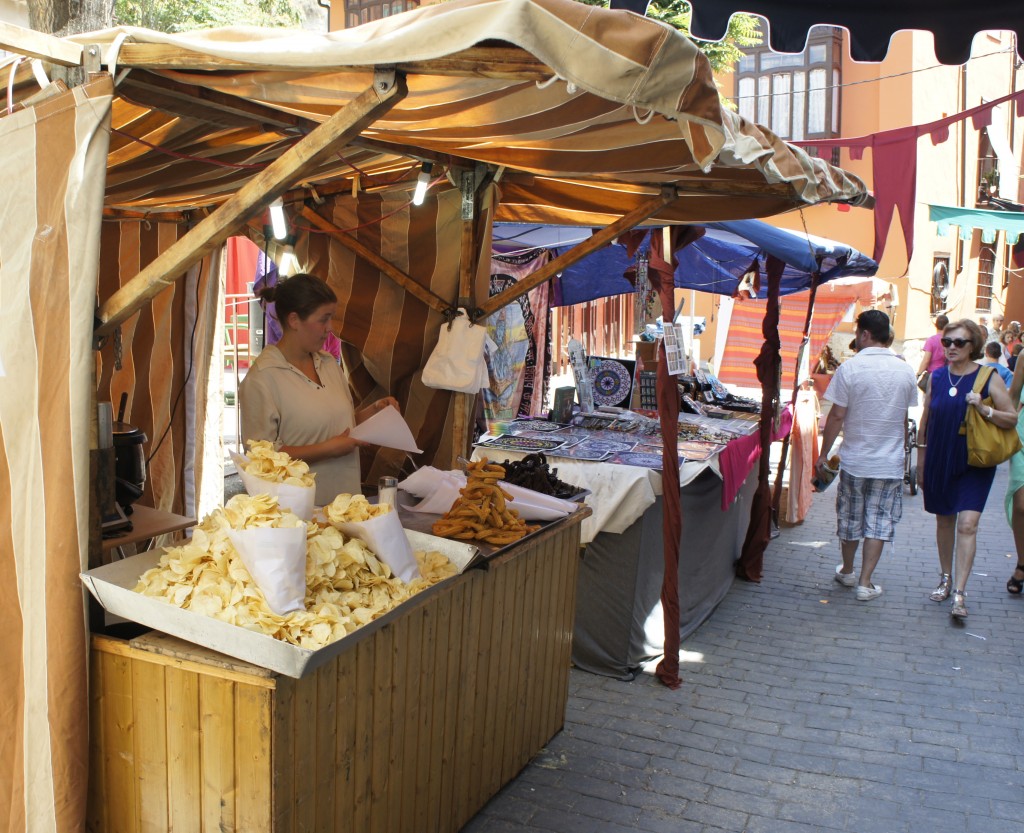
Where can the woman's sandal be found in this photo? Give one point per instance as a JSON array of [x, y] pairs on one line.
[[941, 593], [958, 609], [1016, 585]]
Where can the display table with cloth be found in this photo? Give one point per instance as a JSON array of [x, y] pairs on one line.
[[619, 623]]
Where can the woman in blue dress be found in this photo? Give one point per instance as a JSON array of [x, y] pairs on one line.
[[953, 491]]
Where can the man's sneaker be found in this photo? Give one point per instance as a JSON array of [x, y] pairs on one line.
[[866, 594], [845, 579]]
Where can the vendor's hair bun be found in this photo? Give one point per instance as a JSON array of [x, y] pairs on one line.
[[302, 294], [267, 294]]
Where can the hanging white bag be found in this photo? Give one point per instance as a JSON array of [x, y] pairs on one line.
[[457, 362]]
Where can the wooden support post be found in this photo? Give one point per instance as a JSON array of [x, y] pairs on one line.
[[580, 251], [39, 45], [405, 281], [387, 90]]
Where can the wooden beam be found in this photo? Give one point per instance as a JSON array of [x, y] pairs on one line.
[[195, 101], [39, 45], [254, 196], [507, 62], [393, 272], [596, 241]]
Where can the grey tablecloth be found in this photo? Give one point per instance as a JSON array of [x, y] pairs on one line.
[[619, 622]]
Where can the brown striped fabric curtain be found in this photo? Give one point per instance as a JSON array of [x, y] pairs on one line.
[[55, 157], [167, 352], [387, 333]]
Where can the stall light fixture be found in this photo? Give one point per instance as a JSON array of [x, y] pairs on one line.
[[289, 263], [422, 181], [277, 219]]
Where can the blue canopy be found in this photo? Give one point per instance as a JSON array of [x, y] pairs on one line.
[[715, 263]]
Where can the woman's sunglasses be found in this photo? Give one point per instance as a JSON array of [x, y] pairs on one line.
[[955, 342]]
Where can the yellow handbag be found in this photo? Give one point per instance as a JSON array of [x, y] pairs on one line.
[[987, 444]]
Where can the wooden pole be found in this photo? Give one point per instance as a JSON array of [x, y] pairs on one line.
[[596, 241], [39, 45], [405, 281], [387, 90]]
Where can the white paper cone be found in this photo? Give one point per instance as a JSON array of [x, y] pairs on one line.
[[298, 499], [276, 560], [386, 538]]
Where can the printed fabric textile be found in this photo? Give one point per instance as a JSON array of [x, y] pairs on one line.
[[519, 332], [54, 160]]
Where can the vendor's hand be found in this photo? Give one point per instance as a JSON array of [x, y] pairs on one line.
[[344, 444], [375, 408]]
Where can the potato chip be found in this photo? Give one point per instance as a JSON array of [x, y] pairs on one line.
[[346, 585], [347, 508], [267, 463]]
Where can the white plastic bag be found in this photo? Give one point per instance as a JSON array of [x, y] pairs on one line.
[[457, 362], [276, 559], [298, 499]]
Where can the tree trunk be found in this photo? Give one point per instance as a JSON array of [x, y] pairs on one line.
[[68, 17]]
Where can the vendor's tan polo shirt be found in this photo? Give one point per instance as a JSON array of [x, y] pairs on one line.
[[280, 403]]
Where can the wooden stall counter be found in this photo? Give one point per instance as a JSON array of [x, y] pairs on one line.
[[413, 728]]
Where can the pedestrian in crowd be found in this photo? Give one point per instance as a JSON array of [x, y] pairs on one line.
[[992, 353], [1015, 488], [953, 491], [1008, 340], [1012, 361], [995, 332], [933, 357], [870, 394]]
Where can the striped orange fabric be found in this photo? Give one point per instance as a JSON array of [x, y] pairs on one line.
[[745, 338], [48, 291], [387, 334]]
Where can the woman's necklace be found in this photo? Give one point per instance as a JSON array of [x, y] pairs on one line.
[[953, 385]]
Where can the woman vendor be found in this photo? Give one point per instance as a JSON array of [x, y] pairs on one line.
[[297, 396]]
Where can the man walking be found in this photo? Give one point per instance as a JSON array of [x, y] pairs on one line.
[[870, 394]]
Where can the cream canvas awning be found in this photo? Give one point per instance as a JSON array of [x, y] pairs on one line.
[[586, 113]]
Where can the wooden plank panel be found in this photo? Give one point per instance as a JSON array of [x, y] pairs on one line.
[[469, 711], [253, 706], [404, 691], [519, 671], [525, 730], [119, 752], [183, 780], [556, 635], [495, 685], [151, 776], [383, 716], [282, 759], [508, 707], [217, 730], [304, 749], [326, 745], [413, 733], [421, 820], [451, 643], [362, 768], [96, 815], [443, 606], [344, 751], [570, 578]]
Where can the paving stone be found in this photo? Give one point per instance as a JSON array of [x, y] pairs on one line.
[[805, 717]]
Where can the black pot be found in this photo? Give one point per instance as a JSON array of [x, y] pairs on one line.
[[129, 465]]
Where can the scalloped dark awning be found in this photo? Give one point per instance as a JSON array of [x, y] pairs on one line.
[[871, 23]]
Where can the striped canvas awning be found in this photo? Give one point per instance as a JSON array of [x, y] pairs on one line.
[[745, 337], [584, 112]]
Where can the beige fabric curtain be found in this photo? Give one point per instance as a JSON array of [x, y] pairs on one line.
[[167, 353], [54, 166]]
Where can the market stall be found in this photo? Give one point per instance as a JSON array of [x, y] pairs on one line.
[[133, 181]]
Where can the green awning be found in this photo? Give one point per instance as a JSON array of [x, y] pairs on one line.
[[988, 222]]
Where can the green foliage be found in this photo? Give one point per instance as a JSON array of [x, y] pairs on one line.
[[186, 15], [743, 31]]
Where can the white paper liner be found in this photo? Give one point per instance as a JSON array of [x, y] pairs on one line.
[[439, 490], [387, 540], [298, 499], [276, 559]]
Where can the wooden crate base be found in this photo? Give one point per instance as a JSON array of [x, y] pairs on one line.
[[412, 729]]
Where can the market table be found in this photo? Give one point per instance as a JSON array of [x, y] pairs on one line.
[[412, 727], [619, 622]]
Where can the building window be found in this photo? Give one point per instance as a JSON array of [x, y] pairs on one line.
[[988, 170], [986, 270], [797, 96]]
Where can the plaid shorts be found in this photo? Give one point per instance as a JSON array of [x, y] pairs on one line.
[[868, 507]]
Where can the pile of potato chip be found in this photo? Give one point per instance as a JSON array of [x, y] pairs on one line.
[[346, 585], [347, 508], [269, 464]]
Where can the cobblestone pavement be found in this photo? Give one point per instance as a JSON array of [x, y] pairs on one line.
[[805, 710]]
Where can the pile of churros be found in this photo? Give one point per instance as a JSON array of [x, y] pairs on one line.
[[480, 513]]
